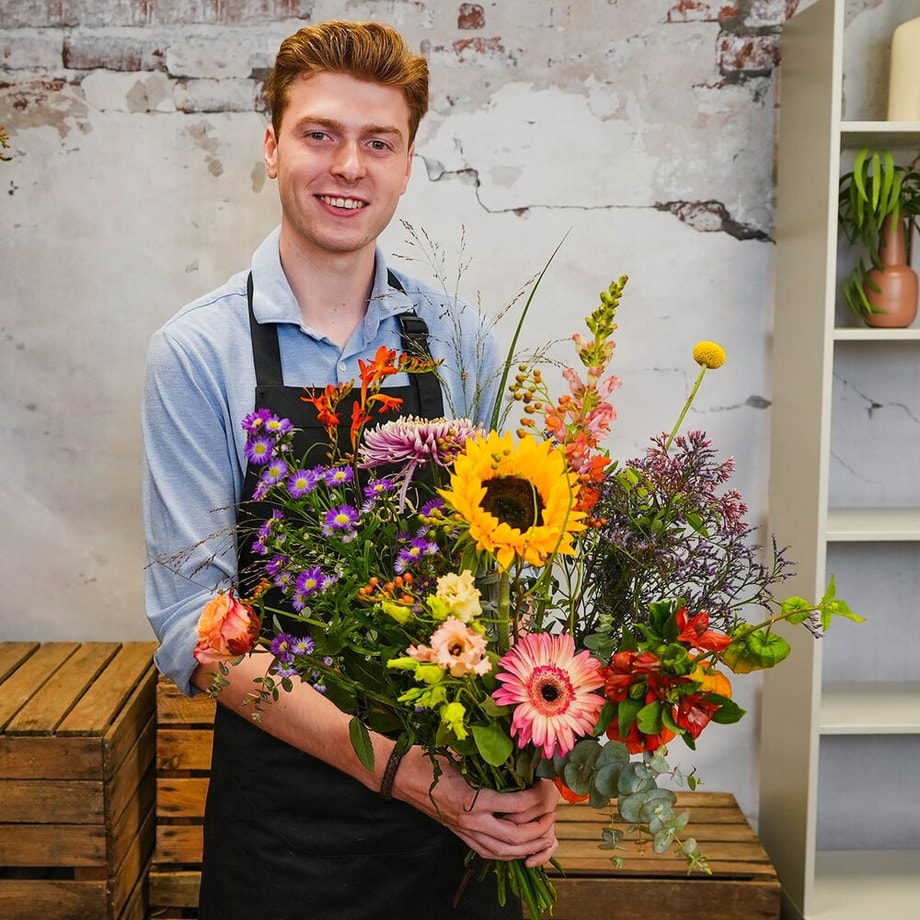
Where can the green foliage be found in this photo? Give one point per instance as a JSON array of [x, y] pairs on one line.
[[876, 188]]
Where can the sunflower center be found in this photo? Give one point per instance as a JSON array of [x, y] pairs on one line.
[[514, 501], [550, 690]]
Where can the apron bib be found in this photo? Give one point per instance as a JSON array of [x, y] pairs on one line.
[[286, 836]]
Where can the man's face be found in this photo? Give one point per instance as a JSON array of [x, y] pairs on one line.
[[342, 161]]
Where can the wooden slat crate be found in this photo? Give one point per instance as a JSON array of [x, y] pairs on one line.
[[743, 884], [77, 779], [184, 733]]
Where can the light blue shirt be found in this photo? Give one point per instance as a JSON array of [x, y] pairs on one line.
[[199, 386]]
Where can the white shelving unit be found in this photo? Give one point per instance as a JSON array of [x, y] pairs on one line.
[[816, 727]]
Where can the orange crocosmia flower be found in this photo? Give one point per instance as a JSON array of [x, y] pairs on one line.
[[695, 631], [227, 629], [326, 404], [385, 403], [383, 365]]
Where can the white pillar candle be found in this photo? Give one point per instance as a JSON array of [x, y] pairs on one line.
[[904, 82]]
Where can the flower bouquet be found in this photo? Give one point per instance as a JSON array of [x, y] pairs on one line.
[[517, 604]]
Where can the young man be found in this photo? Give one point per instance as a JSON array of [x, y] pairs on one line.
[[295, 826]]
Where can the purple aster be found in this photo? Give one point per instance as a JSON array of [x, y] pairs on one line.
[[378, 487], [281, 646], [417, 549], [341, 521], [284, 670], [275, 565], [433, 508], [338, 476], [311, 581], [303, 645], [278, 426], [259, 449], [275, 470], [302, 482], [255, 421]]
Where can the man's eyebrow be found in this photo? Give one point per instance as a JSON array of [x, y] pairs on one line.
[[338, 127]]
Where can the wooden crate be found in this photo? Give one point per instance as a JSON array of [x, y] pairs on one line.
[[183, 764], [743, 884], [77, 779]]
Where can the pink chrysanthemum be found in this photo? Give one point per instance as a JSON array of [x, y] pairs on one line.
[[412, 441], [552, 690]]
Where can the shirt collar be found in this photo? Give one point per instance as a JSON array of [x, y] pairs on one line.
[[273, 300]]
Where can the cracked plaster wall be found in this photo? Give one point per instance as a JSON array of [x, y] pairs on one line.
[[642, 131]]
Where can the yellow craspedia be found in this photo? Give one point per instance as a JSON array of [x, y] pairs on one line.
[[709, 354]]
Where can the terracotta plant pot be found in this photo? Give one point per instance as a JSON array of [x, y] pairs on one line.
[[897, 294]]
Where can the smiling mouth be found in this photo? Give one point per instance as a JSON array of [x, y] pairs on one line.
[[350, 204]]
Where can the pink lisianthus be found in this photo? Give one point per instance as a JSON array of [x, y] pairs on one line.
[[552, 690], [456, 647], [227, 628]]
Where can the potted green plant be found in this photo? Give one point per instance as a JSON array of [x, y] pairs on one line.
[[878, 203]]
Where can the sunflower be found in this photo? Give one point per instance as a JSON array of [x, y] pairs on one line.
[[552, 689], [518, 500]]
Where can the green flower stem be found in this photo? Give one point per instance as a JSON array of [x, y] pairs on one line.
[[503, 613], [687, 405]]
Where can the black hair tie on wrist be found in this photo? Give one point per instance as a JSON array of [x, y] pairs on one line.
[[389, 775]]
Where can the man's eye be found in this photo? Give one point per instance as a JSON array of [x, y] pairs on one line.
[[380, 145]]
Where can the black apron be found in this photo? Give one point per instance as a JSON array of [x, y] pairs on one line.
[[286, 836]]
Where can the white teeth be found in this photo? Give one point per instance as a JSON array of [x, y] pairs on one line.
[[348, 203]]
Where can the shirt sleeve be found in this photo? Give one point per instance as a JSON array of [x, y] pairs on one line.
[[191, 488]]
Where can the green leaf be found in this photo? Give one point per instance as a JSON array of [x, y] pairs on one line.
[[361, 742], [493, 744]]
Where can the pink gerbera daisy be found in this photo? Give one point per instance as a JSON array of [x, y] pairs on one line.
[[552, 690]]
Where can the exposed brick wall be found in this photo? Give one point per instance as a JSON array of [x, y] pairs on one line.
[[216, 53]]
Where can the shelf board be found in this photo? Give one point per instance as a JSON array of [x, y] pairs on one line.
[[865, 334], [881, 133], [891, 708], [873, 524], [855, 884]]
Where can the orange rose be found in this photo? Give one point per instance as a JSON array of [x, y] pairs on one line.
[[227, 629]]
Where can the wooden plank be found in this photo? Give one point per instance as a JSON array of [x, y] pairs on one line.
[[674, 899], [130, 723], [181, 797], [136, 907], [184, 749], [175, 708], [101, 700], [12, 655], [52, 845], [123, 786], [136, 860], [124, 831], [174, 888], [38, 757], [178, 845], [61, 689], [52, 802], [52, 899], [30, 676]]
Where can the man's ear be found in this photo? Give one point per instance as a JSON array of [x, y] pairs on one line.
[[270, 153], [409, 160]]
